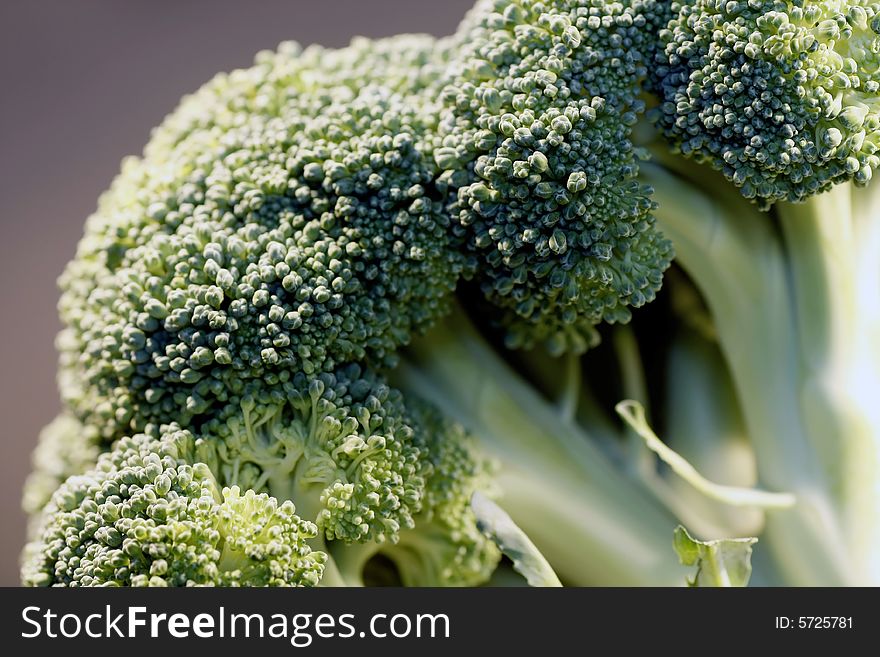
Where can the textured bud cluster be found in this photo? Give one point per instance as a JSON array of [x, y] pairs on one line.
[[340, 445], [151, 520], [251, 243], [780, 96], [535, 138]]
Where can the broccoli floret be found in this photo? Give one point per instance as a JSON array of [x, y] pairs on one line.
[[339, 445], [781, 96], [444, 547], [262, 235], [144, 517], [366, 475], [535, 143], [65, 447]]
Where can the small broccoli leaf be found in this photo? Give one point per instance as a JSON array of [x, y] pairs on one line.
[[527, 560], [726, 562], [633, 413]]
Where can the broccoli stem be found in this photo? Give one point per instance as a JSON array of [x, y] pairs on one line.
[[350, 560], [543, 374], [285, 483], [635, 387], [595, 524], [704, 425], [833, 248], [412, 556], [567, 402], [735, 256]]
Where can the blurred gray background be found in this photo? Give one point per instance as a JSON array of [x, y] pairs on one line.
[[81, 84]]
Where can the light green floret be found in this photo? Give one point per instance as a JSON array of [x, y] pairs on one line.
[[66, 447], [339, 445], [366, 475], [781, 96], [445, 547], [405, 63], [535, 145], [280, 239], [145, 518]]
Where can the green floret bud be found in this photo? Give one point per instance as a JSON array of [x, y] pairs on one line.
[[445, 547], [780, 96], [339, 445], [65, 448], [273, 226], [152, 520], [535, 145]]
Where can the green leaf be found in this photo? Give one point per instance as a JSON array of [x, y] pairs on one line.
[[527, 560], [726, 562]]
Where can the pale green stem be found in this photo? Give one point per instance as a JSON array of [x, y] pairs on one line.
[[632, 374], [833, 247], [704, 424], [595, 524], [571, 390], [734, 256]]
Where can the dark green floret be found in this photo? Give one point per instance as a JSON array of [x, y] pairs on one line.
[[292, 234], [780, 95], [536, 146]]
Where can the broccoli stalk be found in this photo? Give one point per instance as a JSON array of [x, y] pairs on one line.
[[782, 99], [594, 523], [794, 310], [704, 424], [833, 250]]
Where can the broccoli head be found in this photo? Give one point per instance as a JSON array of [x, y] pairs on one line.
[[273, 226], [145, 517], [535, 144], [781, 96]]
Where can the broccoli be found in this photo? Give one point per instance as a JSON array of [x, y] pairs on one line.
[[780, 98], [345, 294], [537, 149], [145, 517], [294, 233]]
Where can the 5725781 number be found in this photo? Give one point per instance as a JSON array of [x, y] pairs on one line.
[[814, 622]]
